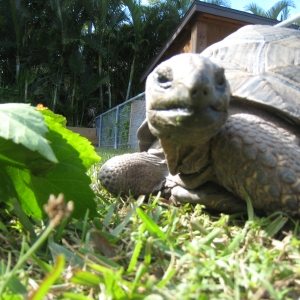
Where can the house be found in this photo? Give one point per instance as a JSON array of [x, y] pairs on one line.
[[203, 25]]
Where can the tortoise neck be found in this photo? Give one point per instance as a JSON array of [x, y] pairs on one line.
[[187, 159]]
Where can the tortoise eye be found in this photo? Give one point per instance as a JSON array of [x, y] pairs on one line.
[[164, 77]]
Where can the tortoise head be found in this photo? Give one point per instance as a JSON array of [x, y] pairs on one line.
[[187, 99]]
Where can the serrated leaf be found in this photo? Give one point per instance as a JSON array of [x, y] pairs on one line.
[[22, 135], [55, 117], [83, 146], [68, 176]]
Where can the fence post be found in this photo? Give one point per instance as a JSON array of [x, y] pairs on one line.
[[100, 130], [116, 128]]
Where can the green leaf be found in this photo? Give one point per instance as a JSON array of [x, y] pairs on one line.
[[18, 155], [55, 117], [75, 155], [7, 189], [80, 144], [22, 137]]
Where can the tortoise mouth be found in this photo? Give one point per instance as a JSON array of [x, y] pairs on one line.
[[176, 112], [204, 117], [179, 123]]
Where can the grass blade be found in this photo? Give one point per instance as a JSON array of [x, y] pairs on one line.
[[49, 279], [150, 225]]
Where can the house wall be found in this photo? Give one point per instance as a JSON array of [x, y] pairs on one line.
[[207, 30]]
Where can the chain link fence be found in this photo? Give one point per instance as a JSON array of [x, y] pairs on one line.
[[117, 127]]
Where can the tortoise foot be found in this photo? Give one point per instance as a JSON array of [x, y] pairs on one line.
[[134, 174], [213, 196]]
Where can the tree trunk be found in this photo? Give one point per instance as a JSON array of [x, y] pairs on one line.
[[54, 99], [109, 94], [130, 77], [26, 89], [100, 89], [17, 68]]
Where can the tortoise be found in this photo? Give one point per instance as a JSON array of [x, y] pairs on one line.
[[221, 126]]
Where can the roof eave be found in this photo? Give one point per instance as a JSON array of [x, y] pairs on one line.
[[203, 7]]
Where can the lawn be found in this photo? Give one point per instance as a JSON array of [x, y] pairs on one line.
[[151, 250]]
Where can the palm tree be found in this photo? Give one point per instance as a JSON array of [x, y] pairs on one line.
[[15, 38], [104, 17], [135, 13], [279, 11]]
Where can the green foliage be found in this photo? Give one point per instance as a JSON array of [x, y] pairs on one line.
[[279, 11], [77, 57], [39, 157]]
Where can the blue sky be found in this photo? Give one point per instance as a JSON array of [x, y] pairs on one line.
[[265, 4]]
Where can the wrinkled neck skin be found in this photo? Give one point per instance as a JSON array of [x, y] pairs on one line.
[[190, 165]]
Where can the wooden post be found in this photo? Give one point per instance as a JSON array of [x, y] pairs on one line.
[[199, 37]]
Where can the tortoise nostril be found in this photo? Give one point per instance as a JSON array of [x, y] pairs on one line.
[[198, 91], [194, 92]]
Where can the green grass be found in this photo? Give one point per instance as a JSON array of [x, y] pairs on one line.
[[107, 153], [152, 250]]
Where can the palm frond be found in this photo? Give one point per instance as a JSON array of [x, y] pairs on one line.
[[92, 41], [255, 9], [76, 63], [280, 7]]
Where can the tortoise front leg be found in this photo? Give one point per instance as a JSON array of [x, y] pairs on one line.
[[213, 196], [134, 174]]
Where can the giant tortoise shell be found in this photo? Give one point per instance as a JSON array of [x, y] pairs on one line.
[[218, 154]]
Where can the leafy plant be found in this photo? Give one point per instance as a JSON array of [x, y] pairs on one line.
[[39, 157]]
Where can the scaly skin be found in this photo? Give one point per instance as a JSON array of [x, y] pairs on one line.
[[248, 154], [134, 174], [253, 156]]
